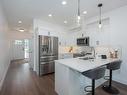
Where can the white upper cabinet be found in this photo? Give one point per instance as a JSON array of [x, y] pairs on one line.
[[42, 32], [45, 32]]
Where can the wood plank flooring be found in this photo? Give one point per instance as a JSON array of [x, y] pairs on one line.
[[20, 80]]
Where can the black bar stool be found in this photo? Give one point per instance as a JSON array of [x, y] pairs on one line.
[[112, 66], [94, 74]]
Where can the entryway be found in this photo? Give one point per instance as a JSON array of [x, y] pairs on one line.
[[20, 49]]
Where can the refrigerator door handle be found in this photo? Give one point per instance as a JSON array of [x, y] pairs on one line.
[[52, 45], [48, 45]]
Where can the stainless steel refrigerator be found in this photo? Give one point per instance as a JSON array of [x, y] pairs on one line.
[[48, 52]]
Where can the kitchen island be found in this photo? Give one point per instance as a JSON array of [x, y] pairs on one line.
[[68, 77]]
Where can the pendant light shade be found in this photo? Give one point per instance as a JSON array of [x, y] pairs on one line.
[[100, 20], [100, 25]]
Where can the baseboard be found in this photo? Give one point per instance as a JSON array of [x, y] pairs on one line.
[[120, 80], [4, 75]]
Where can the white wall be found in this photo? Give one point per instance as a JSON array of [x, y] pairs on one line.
[[4, 47], [113, 34], [118, 24], [15, 35]]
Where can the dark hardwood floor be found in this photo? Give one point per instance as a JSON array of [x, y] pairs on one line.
[[121, 87], [20, 80]]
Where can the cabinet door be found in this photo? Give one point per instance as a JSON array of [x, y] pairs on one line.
[[43, 32], [61, 79], [52, 33]]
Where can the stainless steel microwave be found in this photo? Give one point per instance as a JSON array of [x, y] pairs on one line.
[[83, 41]]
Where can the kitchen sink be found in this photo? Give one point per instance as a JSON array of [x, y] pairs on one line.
[[87, 58]]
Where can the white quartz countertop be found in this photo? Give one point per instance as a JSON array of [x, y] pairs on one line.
[[81, 65]]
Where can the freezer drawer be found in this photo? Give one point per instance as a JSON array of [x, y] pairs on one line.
[[46, 59], [47, 67]]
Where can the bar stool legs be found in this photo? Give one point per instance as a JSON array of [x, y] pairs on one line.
[[94, 74], [93, 87], [92, 91], [109, 88]]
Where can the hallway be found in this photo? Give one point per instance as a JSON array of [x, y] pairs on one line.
[[20, 80]]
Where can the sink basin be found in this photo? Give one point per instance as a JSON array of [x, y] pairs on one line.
[[86, 58]]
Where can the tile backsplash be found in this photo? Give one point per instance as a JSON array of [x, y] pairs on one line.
[[107, 50]]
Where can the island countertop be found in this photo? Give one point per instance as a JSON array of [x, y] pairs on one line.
[[81, 65]]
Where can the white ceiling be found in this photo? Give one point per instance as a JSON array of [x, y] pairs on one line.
[[26, 10]]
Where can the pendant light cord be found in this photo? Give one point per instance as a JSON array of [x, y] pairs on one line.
[[78, 7], [78, 17], [100, 15], [100, 6]]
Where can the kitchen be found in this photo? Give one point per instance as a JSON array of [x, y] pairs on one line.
[[89, 37], [103, 40]]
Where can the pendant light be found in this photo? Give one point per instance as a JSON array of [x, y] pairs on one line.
[[100, 20], [79, 15]]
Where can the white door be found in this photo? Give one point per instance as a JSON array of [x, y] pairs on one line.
[[18, 49], [31, 55]]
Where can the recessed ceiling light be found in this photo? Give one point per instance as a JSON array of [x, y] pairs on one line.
[[85, 12], [64, 2], [50, 15], [21, 30], [19, 21], [65, 22]]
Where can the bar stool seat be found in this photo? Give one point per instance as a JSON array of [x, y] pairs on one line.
[[95, 74], [109, 88]]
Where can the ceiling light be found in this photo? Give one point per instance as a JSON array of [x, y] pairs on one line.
[[65, 22], [85, 12], [19, 21], [64, 2], [21, 30], [50, 15], [100, 25]]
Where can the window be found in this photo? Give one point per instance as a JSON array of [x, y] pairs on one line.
[[18, 42]]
